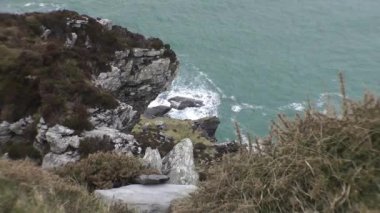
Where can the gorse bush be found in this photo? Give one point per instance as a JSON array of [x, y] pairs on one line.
[[103, 170], [314, 163]]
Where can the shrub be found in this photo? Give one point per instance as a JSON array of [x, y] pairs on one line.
[[25, 187], [93, 145], [315, 163], [103, 170]]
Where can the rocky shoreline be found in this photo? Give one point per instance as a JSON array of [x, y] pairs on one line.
[[72, 85]]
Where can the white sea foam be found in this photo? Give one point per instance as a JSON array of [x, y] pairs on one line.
[[244, 106], [294, 106], [192, 85]]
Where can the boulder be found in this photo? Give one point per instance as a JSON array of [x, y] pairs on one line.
[[60, 138], [178, 164], [119, 118], [207, 126], [146, 198], [151, 179], [52, 160], [19, 126], [123, 143], [152, 159], [181, 103], [157, 111], [4, 132], [106, 23]]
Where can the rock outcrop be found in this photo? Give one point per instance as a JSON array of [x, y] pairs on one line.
[[181, 103], [79, 78], [179, 164], [152, 159], [146, 198]]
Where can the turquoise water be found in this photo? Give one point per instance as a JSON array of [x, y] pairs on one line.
[[252, 58]]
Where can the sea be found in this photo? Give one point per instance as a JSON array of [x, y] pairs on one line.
[[250, 60]]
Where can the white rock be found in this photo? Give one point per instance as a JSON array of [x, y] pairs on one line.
[[52, 160], [124, 143], [106, 23], [70, 42], [152, 159], [119, 118], [178, 164], [146, 198], [19, 126], [4, 128], [60, 137]]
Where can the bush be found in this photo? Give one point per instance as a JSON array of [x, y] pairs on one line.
[[25, 187], [93, 145], [315, 163], [103, 170]]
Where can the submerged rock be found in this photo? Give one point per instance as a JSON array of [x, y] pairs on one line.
[[179, 164], [157, 111], [181, 103], [146, 198]]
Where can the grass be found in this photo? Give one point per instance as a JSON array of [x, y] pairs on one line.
[[25, 187], [313, 163], [147, 132]]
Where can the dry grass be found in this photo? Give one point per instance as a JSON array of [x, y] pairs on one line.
[[25, 187], [315, 163]]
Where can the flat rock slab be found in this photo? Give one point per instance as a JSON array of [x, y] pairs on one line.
[[146, 198]]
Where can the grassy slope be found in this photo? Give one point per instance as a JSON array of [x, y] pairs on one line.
[[27, 188]]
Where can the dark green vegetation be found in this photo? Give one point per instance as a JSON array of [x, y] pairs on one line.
[[313, 163], [104, 170], [40, 76], [25, 187]]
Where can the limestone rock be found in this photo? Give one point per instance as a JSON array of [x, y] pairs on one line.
[[178, 164], [60, 138], [19, 126], [124, 143], [151, 179], [181, 103], [119, 118], [106, 23], [4, 132], [52, 160], [152, 159], [146, 198]]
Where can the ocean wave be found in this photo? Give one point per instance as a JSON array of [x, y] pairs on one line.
[[43, 6], [244, 106], [294, 106], [195, 84]]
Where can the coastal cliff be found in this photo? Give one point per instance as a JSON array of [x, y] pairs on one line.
[[65, 77]]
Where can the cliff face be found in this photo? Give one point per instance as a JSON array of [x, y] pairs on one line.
[[75, 73]]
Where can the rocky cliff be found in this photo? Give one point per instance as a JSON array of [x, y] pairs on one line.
[[66, 77]]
